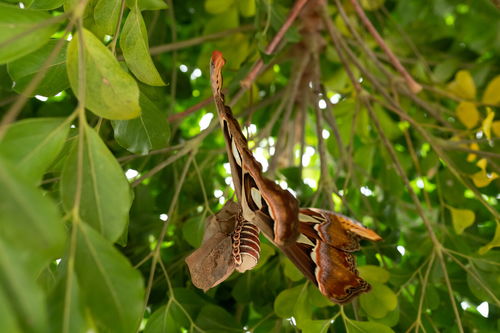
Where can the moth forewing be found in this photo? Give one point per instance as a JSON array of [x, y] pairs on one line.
[[282, 206], [324, 255], [354, 227], [336, 274], [212, 263]]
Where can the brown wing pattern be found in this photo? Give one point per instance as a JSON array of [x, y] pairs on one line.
[[246, 172], [324, 249]]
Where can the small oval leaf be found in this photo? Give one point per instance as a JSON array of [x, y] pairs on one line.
[[217, 6], [354, 326], [461, 219], [33, 144], [463, 85], [106, 15], [483, 179], [113, 289], [467, 114], [492, 93], [110, 92], [55, 80], [17, 34], [148, 131], [495, 242], [379, 301], [373, 273], [105, 197], [487, 122], [29, 221], [135, 47]]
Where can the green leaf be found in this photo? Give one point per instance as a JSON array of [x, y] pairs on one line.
[[389, 126], [217, 6], [354, 326], [291, 271], [29, 220], [46, 4], [266, 252], [23, 70], [243, 289], [105, 197], [373, 273], [215, 318], [226, 20], [302, 311], [33, 144], [495, 242], [235, 56], [106, 15], [66, 310], [135, 47], [391, 319], [168, 318], [110, 92], [7, 315], [112, 289], [147, 4], [247, 7], [461, 219], [372, 4], [316, 298], [152, 4], [23, 306], [284, 304], [19, 34], [148, 131], [483, 277], [87, 15], [192, 231], [379, 301], [315, 326], [444, 70]]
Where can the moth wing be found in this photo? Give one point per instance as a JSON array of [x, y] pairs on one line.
[[354, 226], [223, 221], [336, 274], [320, 225], [332, 270], [212, 263]]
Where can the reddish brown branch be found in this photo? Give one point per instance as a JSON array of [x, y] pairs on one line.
[[247, 81], [412, 84], [190, 110], [155, 50]]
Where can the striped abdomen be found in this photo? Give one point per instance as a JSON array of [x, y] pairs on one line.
[[246, 245]]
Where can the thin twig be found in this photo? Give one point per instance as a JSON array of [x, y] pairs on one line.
[[198, 106], [192, 144], [412, 84], [117, 29], [163, 232], [271, 47], [159, 49]]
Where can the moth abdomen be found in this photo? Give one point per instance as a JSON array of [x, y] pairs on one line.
[[246, 246]]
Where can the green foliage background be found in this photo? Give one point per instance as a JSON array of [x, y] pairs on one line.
[[109, 166]]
